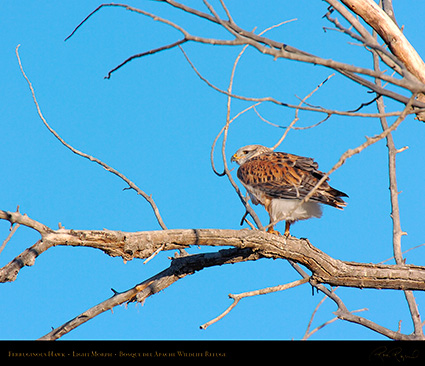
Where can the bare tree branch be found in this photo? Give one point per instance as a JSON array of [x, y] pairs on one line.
[[388, 30], [392, 35], [132, 185], [308, 333], [364, 36], [13, 229], [325, 269], [255, 244], [148, 53], [387, 5], [180, 267], [236, 298], [395, 214], [327, 111], [277, 50], [251, 244], [5, 241], [291, 125]]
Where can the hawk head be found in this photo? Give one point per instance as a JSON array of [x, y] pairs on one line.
[[248, 152]]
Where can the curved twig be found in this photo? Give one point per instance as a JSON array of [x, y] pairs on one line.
[[132, 185], [237, 297], [147, 53]]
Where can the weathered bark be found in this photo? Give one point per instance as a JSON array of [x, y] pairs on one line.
[[324, 268]]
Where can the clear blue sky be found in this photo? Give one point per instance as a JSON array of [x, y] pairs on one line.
[[155, 121]]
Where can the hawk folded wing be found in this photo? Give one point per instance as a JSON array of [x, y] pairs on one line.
[[279, 181]]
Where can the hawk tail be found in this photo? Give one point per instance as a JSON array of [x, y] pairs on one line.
[[334, 198]]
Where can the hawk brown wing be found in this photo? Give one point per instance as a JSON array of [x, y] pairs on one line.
[[287, 176]]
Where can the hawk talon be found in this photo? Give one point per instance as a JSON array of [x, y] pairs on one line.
[[271, 230], [286, 234]]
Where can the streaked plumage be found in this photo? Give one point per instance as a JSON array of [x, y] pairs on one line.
[[279, 181]]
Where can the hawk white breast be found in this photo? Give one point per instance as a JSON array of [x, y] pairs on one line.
[[279, 181]]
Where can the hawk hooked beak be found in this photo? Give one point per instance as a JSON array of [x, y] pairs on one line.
[[234, 158]]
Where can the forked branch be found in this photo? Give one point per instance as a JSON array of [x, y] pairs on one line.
[[325, 269], [276, 50]]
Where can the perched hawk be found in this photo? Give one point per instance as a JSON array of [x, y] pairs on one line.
[[279, 181]]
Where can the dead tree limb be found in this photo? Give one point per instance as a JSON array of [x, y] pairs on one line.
[[281, 50], [180, 267], [143, 244], [391, 34]]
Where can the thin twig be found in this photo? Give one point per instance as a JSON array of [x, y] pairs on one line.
[[277, 50], [156, 252], [228, 121], [221, 132], [365, 37], [310, 333], [229, 17], [236, 298], [244, 201], [187, 35], [297, 110], [293, 106], [89, 157], [297, 128], [12, 231], [148, 53], [307, 331], [406, 251]]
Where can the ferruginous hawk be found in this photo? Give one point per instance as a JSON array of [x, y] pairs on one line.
[[279, 181]]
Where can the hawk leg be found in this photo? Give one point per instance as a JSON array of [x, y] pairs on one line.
[[287, 226], [286, 234]]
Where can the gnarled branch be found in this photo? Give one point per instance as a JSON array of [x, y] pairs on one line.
[[325, 269]]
